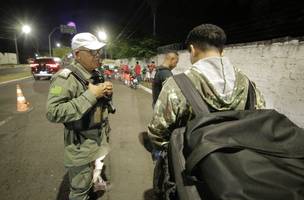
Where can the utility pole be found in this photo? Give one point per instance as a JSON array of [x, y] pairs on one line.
[[154, 23], [16, 47], [154, 4], [50, 45]]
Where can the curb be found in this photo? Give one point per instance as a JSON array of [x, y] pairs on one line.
[[5, 82]]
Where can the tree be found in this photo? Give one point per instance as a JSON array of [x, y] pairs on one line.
[[61, 51], [138, 48]]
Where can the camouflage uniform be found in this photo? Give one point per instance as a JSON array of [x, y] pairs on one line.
[[172, 110], [68, 101]]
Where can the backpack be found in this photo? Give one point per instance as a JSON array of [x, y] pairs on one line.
[[239, 154]]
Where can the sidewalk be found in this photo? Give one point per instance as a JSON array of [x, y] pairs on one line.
[[11, 73]]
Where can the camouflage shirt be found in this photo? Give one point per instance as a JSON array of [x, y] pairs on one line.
[[68, 101], [172, 110]]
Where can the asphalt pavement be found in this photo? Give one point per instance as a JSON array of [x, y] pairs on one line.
[[31, 148]]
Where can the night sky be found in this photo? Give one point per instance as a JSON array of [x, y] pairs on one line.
[[243, 20]]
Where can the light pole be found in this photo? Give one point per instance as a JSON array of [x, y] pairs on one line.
[[103, 37], [25, 29], [50, 45]]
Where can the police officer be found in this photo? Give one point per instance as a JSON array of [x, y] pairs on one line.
[[77, 103]]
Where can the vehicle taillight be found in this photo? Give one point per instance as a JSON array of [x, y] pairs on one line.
[[53, 65]]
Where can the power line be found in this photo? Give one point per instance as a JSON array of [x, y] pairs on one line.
[[134, 17]]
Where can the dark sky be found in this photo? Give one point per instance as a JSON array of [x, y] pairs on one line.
[[243, 20]]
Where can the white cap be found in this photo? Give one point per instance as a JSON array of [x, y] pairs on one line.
[[86, 40]]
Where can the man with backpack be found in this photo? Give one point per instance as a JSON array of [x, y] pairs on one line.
[[214, 140], [162, 73], [221, 85]]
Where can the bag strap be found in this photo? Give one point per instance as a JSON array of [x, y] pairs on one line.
[[251, 97], [192, 95], [78, 75]]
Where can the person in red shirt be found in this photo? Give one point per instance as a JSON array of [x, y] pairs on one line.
[[150, 74], [137, 70]]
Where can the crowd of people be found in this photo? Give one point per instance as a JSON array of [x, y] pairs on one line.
[[135, 75]]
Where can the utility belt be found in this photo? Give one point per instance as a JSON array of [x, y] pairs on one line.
[[90, 120], [74, 136]]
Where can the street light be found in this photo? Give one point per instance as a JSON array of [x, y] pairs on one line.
[[103, 37], [25, 29], [58, 44]]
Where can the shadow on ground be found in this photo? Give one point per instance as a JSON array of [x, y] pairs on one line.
[[149, 195], [64, 189]]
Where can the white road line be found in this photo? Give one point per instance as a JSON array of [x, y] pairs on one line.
[[6, 120], [2, 83], [146, 89]]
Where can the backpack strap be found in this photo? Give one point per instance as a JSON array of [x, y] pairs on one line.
[[251, 97], [192, 95], [78, 75]]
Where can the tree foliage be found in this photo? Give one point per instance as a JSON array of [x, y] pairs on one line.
[[138, 48], [61, 51]]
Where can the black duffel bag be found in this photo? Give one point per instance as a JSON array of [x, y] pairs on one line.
[[231, 155]]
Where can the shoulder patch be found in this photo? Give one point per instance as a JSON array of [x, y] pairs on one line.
[[56, 90], [65, 73]]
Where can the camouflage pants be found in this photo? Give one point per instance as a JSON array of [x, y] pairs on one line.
[[80, 181]]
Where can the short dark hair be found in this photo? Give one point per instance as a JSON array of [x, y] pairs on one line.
[[171, 51], [206, 36]]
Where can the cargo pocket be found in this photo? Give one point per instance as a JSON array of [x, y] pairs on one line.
[[81, 179]]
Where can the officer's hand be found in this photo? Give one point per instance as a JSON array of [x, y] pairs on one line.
[[101, 89], [109, 87]]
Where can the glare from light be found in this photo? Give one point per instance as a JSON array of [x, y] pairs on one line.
[[58, 44], [26, 29], [102, 35], [72, 24]]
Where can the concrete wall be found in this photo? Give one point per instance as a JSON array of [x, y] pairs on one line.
[[276, 67], [278, 70], [8, 58]]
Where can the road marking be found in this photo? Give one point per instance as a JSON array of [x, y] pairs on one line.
[[146, 89], [2, 83], [6, 120]]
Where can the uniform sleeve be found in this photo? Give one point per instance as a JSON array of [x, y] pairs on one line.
[[260, 101], [170, 109], [62, 105]]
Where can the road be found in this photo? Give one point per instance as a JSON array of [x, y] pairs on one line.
[[31, 148]]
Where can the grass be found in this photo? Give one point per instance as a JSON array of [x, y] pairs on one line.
[[8, 77], [13, 65], [146, 84]]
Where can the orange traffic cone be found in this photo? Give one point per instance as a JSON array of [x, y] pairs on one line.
[[22, 104]]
